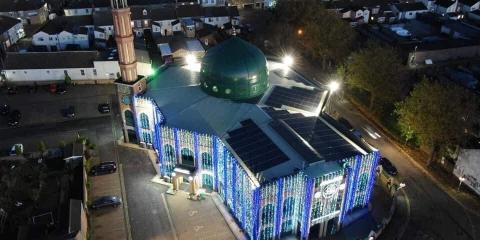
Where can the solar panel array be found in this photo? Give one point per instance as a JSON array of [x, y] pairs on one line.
[[254, 147], [300, 98], [328, 143]]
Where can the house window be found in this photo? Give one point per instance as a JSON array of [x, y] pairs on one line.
[[13, 72], [50, 38], [82, 72], [48, 71], [25, 72], [210, 19], [95, 72], [147, 138], [65, 72], [40, 39]]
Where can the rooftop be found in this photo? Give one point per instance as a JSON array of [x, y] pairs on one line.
[[72, 24], [20, 5], [54, 60], [253, 129], [414, 6], [6, 23]]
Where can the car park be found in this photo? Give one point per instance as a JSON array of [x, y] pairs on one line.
[[4, 109], [103, 168], [388, 166], [14, 118], [69, 112], [106, 201], [104, 108]]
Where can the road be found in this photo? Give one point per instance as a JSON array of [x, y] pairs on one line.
[[426, 212]]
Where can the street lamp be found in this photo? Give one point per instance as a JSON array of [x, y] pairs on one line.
[[401, 185], [461, 180], [300, 32], [287, 60], [334, 86]]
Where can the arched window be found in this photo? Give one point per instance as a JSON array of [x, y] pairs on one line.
[[144, 121], [207, 162], [169, 157], [147, 138], [266, 233], [129, 118], [207, 181], [187, 157], [288, 207], [268, 214]]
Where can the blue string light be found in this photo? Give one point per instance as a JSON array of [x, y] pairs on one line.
[[307, 207], [278, 215], [215, 161], [373, 168]]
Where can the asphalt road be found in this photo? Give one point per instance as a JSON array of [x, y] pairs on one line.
[[426, 212]]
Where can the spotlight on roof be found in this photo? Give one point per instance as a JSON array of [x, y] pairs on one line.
[[287, 60], [190, 59], [334, 86]]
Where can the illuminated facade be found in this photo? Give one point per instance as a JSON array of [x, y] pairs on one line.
[[284, 178]]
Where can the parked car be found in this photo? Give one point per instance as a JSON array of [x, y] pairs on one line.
[[346, 123], [69, 112], [61, 89], [388, 166], [14, 119], [104, 108], [12, 90], [103, 168], [106, 201], [4, 109]]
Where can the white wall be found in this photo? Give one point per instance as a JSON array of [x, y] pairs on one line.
[[60, 40], [78, 12], [165, 25], [15, 33], [216, 21], [468, 166]]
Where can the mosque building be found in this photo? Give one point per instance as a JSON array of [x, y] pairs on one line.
[[255, 132]]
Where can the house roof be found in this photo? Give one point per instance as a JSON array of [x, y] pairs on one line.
[[78, 4], [444, 3], [102, 18], [153, 13], [51, 60], [20, 5], [468, 2], [189, 11], [233, 11], [215, 12], [407, 7], [7, 23], [475, 12], [72, 24]]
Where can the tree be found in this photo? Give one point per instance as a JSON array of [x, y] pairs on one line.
[[379, 71], [438, 114], [42, 147], [68, 80]]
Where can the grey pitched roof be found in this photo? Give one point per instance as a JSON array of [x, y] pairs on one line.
[[77, 4], [20, 5], [444, 3], [406, 7], [215, 12], [6, 23], [71, 24], [468, 2], [102, 18], [189, 11], [153, 13], [233, 11], [50, 60]]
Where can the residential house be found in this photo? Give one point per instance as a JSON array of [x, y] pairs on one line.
[[446, 6], [474, 15], [467, 6], [190, 18], [63, 32], [166, 23], [408, 10], [212, 3], [29, 11], [216, 16], [460, 30], [85, 7], [355, 15], [103, 22], [46, 67], [430, 4], [144, 17], [11, 30]]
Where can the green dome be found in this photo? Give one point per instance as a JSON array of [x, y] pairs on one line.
[[234, 69]]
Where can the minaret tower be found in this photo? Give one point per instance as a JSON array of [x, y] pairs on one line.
[[124, 39], [129, 84]]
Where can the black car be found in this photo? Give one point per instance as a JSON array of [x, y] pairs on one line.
[[69, 112], [12, 90], [106, 201], [104, 108], [4, 109], [61, 89], [346, 123], [14, 119], [103, 168], [388, 166]]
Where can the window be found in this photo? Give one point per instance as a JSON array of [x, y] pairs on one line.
[[82, 72], [144, 121], [144, 12], [50, 38], [13, 72], [40, 39], [48, 71], [25, 72], [147, 138], [95, 72], [187, 157], [129, 118], [210, 19], [65, 72]]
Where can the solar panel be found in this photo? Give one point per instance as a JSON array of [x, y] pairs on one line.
[[300, 98], [326, 142], [254, 147]]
